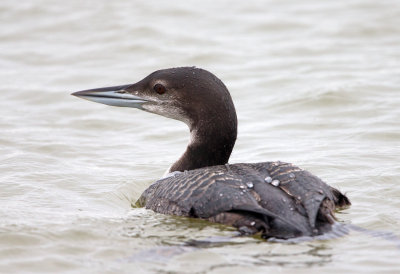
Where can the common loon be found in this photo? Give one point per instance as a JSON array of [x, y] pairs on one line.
[[275, 199]]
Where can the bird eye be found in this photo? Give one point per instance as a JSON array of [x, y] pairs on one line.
[[160, 89]]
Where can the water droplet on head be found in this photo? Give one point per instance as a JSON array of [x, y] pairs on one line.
[[291, 175], [220, 195], [249, 185], [275, 183], [320, 191], [268, 179], [252, 223], [242, 186]]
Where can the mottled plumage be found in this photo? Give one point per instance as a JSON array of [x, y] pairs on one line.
[[239, 195]]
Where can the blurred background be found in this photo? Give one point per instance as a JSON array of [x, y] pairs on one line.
[[316, 83]]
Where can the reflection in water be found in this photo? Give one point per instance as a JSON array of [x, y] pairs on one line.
[[176, 243], [311, 254], [316, 254]]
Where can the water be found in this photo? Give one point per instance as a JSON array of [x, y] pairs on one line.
[[316, 83]]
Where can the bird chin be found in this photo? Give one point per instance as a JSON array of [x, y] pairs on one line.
[[166, 110]]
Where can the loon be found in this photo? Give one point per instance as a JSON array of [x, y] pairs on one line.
[[271, 199]]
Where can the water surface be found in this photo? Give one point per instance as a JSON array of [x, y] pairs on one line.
[[316, 83]]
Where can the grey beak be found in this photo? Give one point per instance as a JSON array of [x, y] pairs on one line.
[[112, 96]]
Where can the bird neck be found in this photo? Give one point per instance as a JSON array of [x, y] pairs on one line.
[[211, 143]]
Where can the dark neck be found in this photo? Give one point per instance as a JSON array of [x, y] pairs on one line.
[[211, 143]]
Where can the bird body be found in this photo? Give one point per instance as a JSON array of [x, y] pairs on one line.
[[275, 199]]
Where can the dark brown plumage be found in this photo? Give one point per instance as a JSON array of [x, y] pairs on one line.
[[239, 195]]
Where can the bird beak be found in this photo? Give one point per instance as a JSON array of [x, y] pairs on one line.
[[113, 96]]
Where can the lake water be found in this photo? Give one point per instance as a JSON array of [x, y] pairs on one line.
[[315, 83]]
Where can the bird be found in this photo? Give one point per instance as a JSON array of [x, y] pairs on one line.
[[273, 199]]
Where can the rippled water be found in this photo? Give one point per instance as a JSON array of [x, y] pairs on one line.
[[316, 83]]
